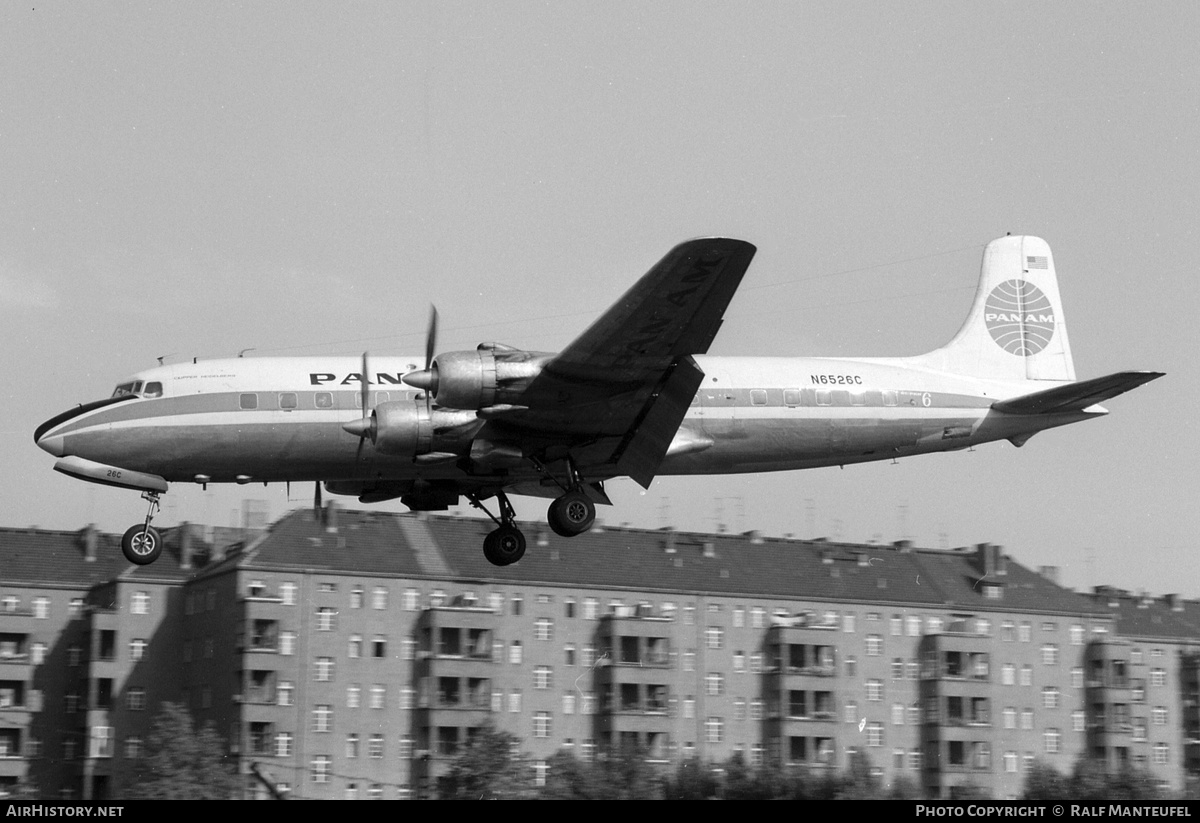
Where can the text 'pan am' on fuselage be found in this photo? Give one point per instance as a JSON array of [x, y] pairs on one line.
[[634, 396]]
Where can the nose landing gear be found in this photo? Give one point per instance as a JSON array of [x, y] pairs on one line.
[[142, 544]]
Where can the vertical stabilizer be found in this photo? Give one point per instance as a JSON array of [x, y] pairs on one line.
[[1016, 329]]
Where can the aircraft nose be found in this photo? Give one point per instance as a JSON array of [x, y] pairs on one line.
[[53, 444]]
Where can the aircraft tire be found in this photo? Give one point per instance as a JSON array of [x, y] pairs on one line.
[[572, 514], [141, 544], [507, 546]]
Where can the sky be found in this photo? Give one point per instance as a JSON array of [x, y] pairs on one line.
[[194, 180]]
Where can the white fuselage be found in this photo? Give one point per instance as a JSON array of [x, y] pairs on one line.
[[281, 419]]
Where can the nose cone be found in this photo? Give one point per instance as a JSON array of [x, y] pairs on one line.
[[53, 444]]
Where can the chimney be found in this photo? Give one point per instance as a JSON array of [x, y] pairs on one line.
[[710, 550], [331, 517], [862, 559], [1050, 573], [904, 546], [668, 540], [89, 539], [185, 545], [1173, 602], [756, 538], [990, 558]]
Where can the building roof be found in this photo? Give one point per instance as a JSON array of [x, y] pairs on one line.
[[60, 559], [422, 546]]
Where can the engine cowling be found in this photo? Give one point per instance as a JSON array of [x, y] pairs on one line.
[[408, 429], [489, 376]]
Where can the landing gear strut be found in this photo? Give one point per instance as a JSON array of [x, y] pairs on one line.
[[504, 545], [142, 544]]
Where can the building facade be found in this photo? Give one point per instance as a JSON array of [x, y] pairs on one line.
[[353, 656]]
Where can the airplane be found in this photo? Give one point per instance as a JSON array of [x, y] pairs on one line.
[[634, 396]]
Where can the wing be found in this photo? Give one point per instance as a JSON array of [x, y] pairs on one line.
[[1076, 396], [614, 397]]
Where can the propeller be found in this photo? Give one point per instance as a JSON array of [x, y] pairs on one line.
[[426, 379], [364, 427], [317, 501]]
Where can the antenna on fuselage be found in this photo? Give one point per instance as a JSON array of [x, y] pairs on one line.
[[242, 353], [163, 357]]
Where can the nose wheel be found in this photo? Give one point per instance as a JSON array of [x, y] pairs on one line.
[[141, 544]]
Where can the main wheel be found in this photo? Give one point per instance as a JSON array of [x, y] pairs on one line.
[[141, 544], [504, 546], [572, 514]]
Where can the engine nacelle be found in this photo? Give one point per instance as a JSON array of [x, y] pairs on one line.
[[410, 429], [488, 376]]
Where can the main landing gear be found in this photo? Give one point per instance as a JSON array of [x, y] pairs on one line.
[[142, 544], [504, 545], [570, 514]]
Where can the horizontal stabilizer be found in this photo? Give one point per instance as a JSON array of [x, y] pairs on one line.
[[1075, 397]]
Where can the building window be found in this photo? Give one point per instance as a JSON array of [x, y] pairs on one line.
[[135, 699], [541, 725], [715, 684], [137, 649], [325, 618], [356, 597], [518, 605], [352, 746], [284, 693], [134, 748], [568, 703], [1158, 677], [378, 696], [287, 593], [715, 637], [514, 702], [757, 616], [283, 744], [714, 728], [1077, 635], [1025, 632], [544, 629], [320, 768], [1050, 654], [379, 598], [375, 746], [515, 653], [1161, 754], [689, 707], [354, 649], [542, 676], [322, 718], [1027, 719], [353, 696], [1010, 717], [874, 645], [411, 598], [1026, 675], [1158, 715], [850, 712], [324, 669], [287, 643], [139, 603], [874, 690], [1052, 739], [378, 647], [874, 734], [1050, 697]]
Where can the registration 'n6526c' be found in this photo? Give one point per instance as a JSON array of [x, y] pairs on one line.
[[836, 379]]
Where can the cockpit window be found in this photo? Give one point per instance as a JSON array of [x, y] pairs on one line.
[[129, 388], [153, 390]]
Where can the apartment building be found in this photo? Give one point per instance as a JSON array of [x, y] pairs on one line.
[[352, 656]]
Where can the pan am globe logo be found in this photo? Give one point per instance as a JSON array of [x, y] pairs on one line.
[[1019, 317]]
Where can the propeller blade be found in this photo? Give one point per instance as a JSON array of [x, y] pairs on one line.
[[431, 336], [366, 385], [430, 347], [317, 500]]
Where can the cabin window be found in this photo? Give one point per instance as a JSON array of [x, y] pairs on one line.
[[382, 397], [127, 388], [758, 397], [324, 400], [824, 397], [858, 398], [248, 401], [791, 397], [287, 400], [153, 389], [889, 398]]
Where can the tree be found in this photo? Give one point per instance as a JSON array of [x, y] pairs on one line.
[[859, 783], [182, 763], [490, 767], [1045, 783], [693, 780]]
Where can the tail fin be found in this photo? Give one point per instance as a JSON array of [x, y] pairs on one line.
[[1016, 329]]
